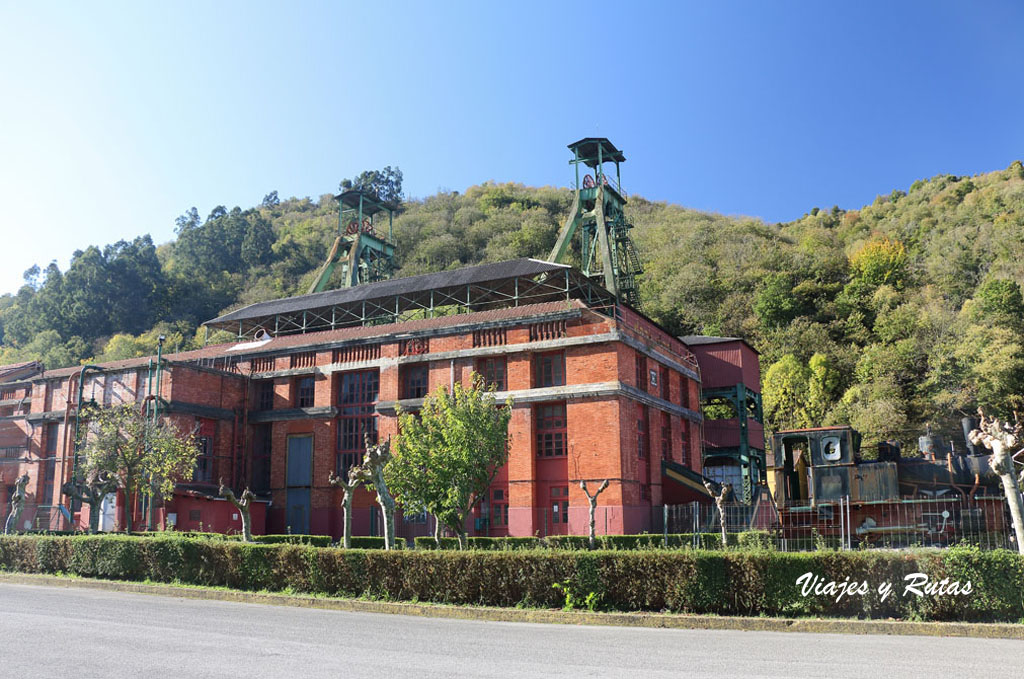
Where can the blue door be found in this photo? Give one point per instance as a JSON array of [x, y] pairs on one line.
[[299, 480]]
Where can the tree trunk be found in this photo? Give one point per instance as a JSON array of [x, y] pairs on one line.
[[592, 499], [128, 509], [463, 540], [346, 503], [593, 524], [387, 505], [1001, 441], [722, 493], [1012, 492], [17, 504], [95, 509], [151, 506], [348, 490], [437, 532], [242, 505]]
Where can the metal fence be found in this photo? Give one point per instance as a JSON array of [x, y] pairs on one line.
[[842, 524]]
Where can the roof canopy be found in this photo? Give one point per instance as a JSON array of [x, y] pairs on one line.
[[586, 150], [371, 206], [475, 288]]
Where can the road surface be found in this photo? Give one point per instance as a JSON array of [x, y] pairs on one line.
[[86, 634]]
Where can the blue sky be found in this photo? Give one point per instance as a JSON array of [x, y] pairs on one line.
[[117, 117]]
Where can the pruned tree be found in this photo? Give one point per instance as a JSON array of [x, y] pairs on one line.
[[447, 456], [592, 499], [1001, 439], [348, 489], [90, 490], [145, 456], [17, 504], [371, 474], [242, 504], [722, 494]]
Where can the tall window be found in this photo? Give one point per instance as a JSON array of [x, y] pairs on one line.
[[357, 394], [494, 371], [641, 371], [305, 391], [204, 463], [265, 395], [684, 425], [550, 369], [665, 387], [415, 380], [499, 508], [261, 450], [641, 431], [50, 462], [559, 504], [684, 391], [551, 430], [666, 437]]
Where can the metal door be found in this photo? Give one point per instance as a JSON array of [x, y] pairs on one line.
[[299, 480]]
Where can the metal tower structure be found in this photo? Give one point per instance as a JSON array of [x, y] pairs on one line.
[[606, 250], [365, 253]]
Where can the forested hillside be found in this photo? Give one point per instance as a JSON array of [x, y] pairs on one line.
[[903, 313]]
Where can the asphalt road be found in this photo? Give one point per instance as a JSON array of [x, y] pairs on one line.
[[60, 632]]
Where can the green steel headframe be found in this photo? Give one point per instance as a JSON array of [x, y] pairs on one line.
[[366, 255], [606, 251]]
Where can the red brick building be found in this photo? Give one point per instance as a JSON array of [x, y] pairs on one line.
[[599, 392]]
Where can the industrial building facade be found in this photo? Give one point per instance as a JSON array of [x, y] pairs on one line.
[[598, 390]]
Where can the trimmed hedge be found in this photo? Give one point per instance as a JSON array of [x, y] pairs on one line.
[[695, 581], [749, 539], [358, 542], [312, 540], [479, 543]]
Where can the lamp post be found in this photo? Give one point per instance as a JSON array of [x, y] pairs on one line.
[[159, 373], [149, 505]]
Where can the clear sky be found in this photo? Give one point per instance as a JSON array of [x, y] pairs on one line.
[[117, 117]]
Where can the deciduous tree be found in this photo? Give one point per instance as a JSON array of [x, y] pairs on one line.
[[91, 489], [447, 455], [145, 456]]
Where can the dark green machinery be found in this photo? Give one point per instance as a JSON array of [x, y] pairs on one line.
[[365, 253], [607, 253], [744, 405]]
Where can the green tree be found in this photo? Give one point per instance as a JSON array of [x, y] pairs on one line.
[[775, 304], [147, 457], [270, 200], [785, 393], [999, 302], [385, 184], [881, 261], [822, 386], [447, 455]]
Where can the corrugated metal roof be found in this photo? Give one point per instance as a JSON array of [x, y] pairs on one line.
[[472, 275], [700, 340], [14, 371], [696, 340], [327, 337]]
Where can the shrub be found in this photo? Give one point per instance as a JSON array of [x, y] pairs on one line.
[[501, 543], [735, 582], [313, 540]]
